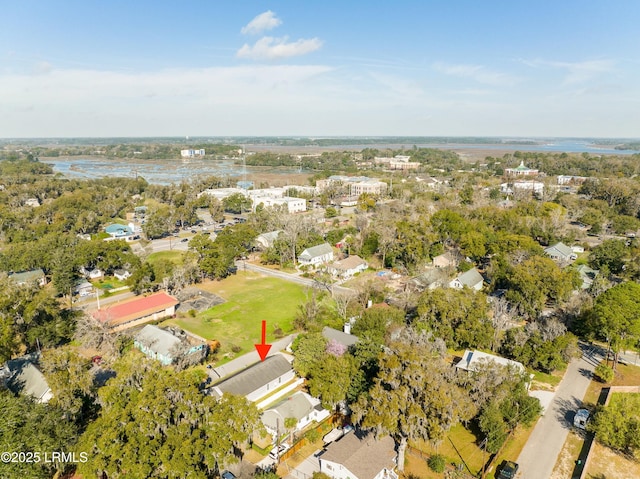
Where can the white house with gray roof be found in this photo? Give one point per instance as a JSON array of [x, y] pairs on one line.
[[348, 267], [266, 240], [359, 455], [471, 279], [303, 408], [560, 252], [161, 344], [257, 380], [316, 255], [471, 360]]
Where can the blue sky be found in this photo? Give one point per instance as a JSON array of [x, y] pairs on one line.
[[217, 68]]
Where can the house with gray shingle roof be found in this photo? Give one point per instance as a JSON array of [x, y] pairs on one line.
[[316, 255], [257, 380], [560, 252], [31, 276], [587, 275], [339, 336], [430, 279], [266, 240], [359, 455], [160, 344], [471, 279], [26, 379], [300, 406]]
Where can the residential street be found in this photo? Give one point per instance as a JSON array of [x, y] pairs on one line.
[[169, 244], [539, 455]]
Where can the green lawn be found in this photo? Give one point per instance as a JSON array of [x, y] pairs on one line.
[[544, 379], [467, 449], [250, 298], [108, 283], [174, 257], [464, 441]]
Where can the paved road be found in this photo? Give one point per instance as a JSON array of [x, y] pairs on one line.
[[168, 244], [91, 304], [539, 455], [243, 265]]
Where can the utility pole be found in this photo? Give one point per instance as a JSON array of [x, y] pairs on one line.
[[483, 445]]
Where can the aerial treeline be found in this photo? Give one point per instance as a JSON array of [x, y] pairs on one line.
[[333, 162], [31, 318], [21, 168], [144, 151]]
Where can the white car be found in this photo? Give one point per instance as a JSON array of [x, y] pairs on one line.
[[278, 451]]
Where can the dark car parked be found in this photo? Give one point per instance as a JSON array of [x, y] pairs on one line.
[[508, 470]]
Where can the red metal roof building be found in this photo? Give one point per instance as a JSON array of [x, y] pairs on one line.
[[138, 311]]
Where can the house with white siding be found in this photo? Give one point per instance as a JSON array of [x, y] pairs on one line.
[[257, 380], [561, 253], [472, 279], [359, 455], [300, 406], [348, 267], [317, 255], [162, 345]]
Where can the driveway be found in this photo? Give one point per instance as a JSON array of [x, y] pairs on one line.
[[539, 455], [306, 468]]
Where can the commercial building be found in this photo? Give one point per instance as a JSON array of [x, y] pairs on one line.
[[191, 153], [294, 205], [138, 311], [520, 170]]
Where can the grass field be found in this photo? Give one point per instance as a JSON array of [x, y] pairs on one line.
[[250, 299], [174, 257], [466, 445], [108, 283]]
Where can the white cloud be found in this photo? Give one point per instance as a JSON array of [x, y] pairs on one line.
[[576, 72], [263, 22], [297, 100], [270, 48], [42, 68], [478, 73], [402, 86]]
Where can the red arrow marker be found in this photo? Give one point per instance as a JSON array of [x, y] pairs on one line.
[[263, 348]]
